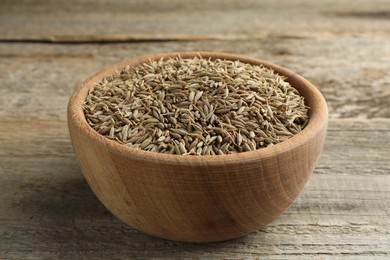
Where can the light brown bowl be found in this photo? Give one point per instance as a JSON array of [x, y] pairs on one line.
[[198, 198]]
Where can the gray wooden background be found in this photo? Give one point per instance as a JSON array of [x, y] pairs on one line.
[[47, 48]]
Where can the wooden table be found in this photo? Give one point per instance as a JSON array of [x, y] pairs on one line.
[[47, 48]]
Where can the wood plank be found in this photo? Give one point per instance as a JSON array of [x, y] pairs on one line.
[[352, 146], [48, 210], [352, 73], [113, 21]]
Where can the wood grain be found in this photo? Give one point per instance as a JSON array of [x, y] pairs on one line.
[[46, 207], [342, 152], [115, 21], [49, 211], [352, 73]]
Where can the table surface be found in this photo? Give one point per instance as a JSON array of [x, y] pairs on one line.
[[47, 48]]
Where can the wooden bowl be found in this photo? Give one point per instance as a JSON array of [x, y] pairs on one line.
[[198, 198]]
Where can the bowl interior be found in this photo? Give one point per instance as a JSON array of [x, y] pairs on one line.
[[318, 114]]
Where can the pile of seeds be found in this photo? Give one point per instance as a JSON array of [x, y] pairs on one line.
[[196, 106]]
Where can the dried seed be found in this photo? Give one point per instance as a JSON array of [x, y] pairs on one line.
[[222, 111], [179, 131], [125, 131], [239, 138], [182, 148], [198, 96], [211, 140], [207, 105], [193, 144], [247, 147], [191, 96], [135, 114], [112, 131], [161, 138], [176, 136], [151, 120], [240, 110], [145, 143]]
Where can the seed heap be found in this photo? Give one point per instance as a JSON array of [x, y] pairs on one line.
[[196, 106]]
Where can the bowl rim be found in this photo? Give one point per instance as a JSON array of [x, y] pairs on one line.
[[318, 115]]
